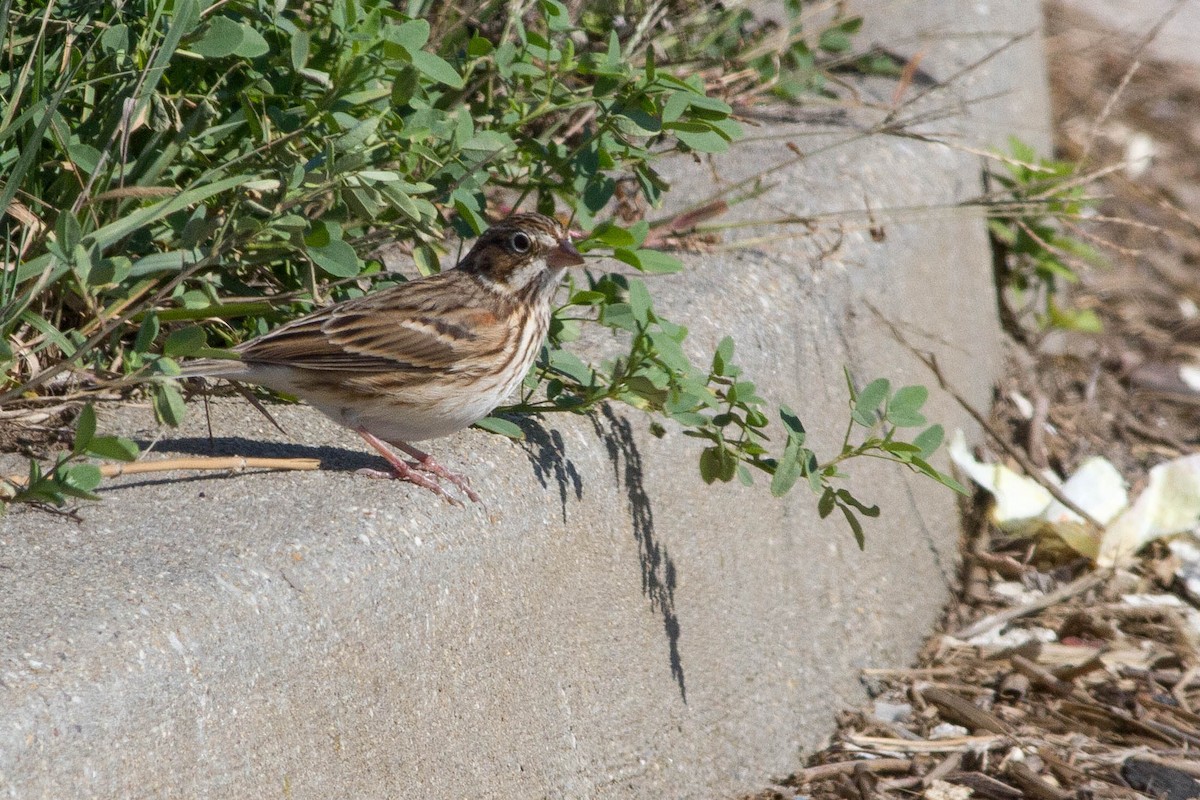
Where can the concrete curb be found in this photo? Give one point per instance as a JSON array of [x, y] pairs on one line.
[[607, 627]]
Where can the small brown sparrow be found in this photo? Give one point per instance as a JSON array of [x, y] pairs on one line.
[[423, 359]]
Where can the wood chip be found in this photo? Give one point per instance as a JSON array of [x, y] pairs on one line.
[[826, 771], [957, 708], [986, 786], [955, 744], [1078, 586], [1032, 784]]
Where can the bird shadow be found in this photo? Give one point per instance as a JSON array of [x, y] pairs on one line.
[[657, 568], [333, 458]]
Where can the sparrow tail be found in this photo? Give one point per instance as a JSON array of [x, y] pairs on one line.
[[229, 368]]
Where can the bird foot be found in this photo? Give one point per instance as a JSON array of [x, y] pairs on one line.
[[410, 474], [417, 473], [427, 464]]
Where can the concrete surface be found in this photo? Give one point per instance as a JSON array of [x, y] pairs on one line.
[[1007, 95], [607, 626]]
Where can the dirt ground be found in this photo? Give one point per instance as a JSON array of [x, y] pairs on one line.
[[1047, 678]]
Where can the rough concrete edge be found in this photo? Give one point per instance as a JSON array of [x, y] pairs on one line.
[[865, 352]]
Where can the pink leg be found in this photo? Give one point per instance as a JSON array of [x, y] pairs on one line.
[[425, 463], [402, 470]]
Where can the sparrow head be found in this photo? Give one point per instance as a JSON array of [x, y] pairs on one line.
[[523, 254]]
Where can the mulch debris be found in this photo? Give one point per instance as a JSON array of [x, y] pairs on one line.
[[1050, 679], [1053, 681]]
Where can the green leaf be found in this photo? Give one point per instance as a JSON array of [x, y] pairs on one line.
[[81, 260], [222, 38], [790, 467], [587, 298], [115, 448], [792, 422], [613, 55], [869, 401], [67, 231], [677, 103], [115, 38], [479, 47], [657, 263], [556, 15], [184, 342], [723, 356], [834, 40], [844, 496], [612, 235], [903, 407], [170, 261], [168, 403], [710, 464], [640, 302], [826, 503], [705, 141], [570, 365], [358, 135], [488, 141], [927, 469], [147, 333], [336, 258], [855, 526], [929, 440], [79, 481], [644, 388], [437, 68], [85, 429], [1084, 320], [412, 35], [300, 46], [743, 475], [906, 404], [253, 44], [426, 259], [901, 450], [466, 205], [501, 426], [618, 315]]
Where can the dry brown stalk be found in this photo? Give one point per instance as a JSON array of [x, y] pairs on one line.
[[232, 463]]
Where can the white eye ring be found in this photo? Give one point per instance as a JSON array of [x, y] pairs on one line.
[[520, 242]]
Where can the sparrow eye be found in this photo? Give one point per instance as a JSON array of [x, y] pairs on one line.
[[520, 242]]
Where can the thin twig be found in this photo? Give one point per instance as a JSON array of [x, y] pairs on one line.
[[1021, 458], [1077, 586], [826, 771], [234, 463], [1134, 64]]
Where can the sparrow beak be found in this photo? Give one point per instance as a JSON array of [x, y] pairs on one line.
[[565, 255]]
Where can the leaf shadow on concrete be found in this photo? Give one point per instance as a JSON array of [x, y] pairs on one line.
[[658, 570], [547, 453]]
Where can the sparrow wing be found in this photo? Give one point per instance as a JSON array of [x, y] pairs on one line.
[[411, 327]]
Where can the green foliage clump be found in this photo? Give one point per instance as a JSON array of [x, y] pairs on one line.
[[231, 163], [1036, 246], [180, 175]]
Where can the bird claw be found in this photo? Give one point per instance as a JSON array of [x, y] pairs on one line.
[[462, 482], [413, 476], [404, 471], [377, 474]]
